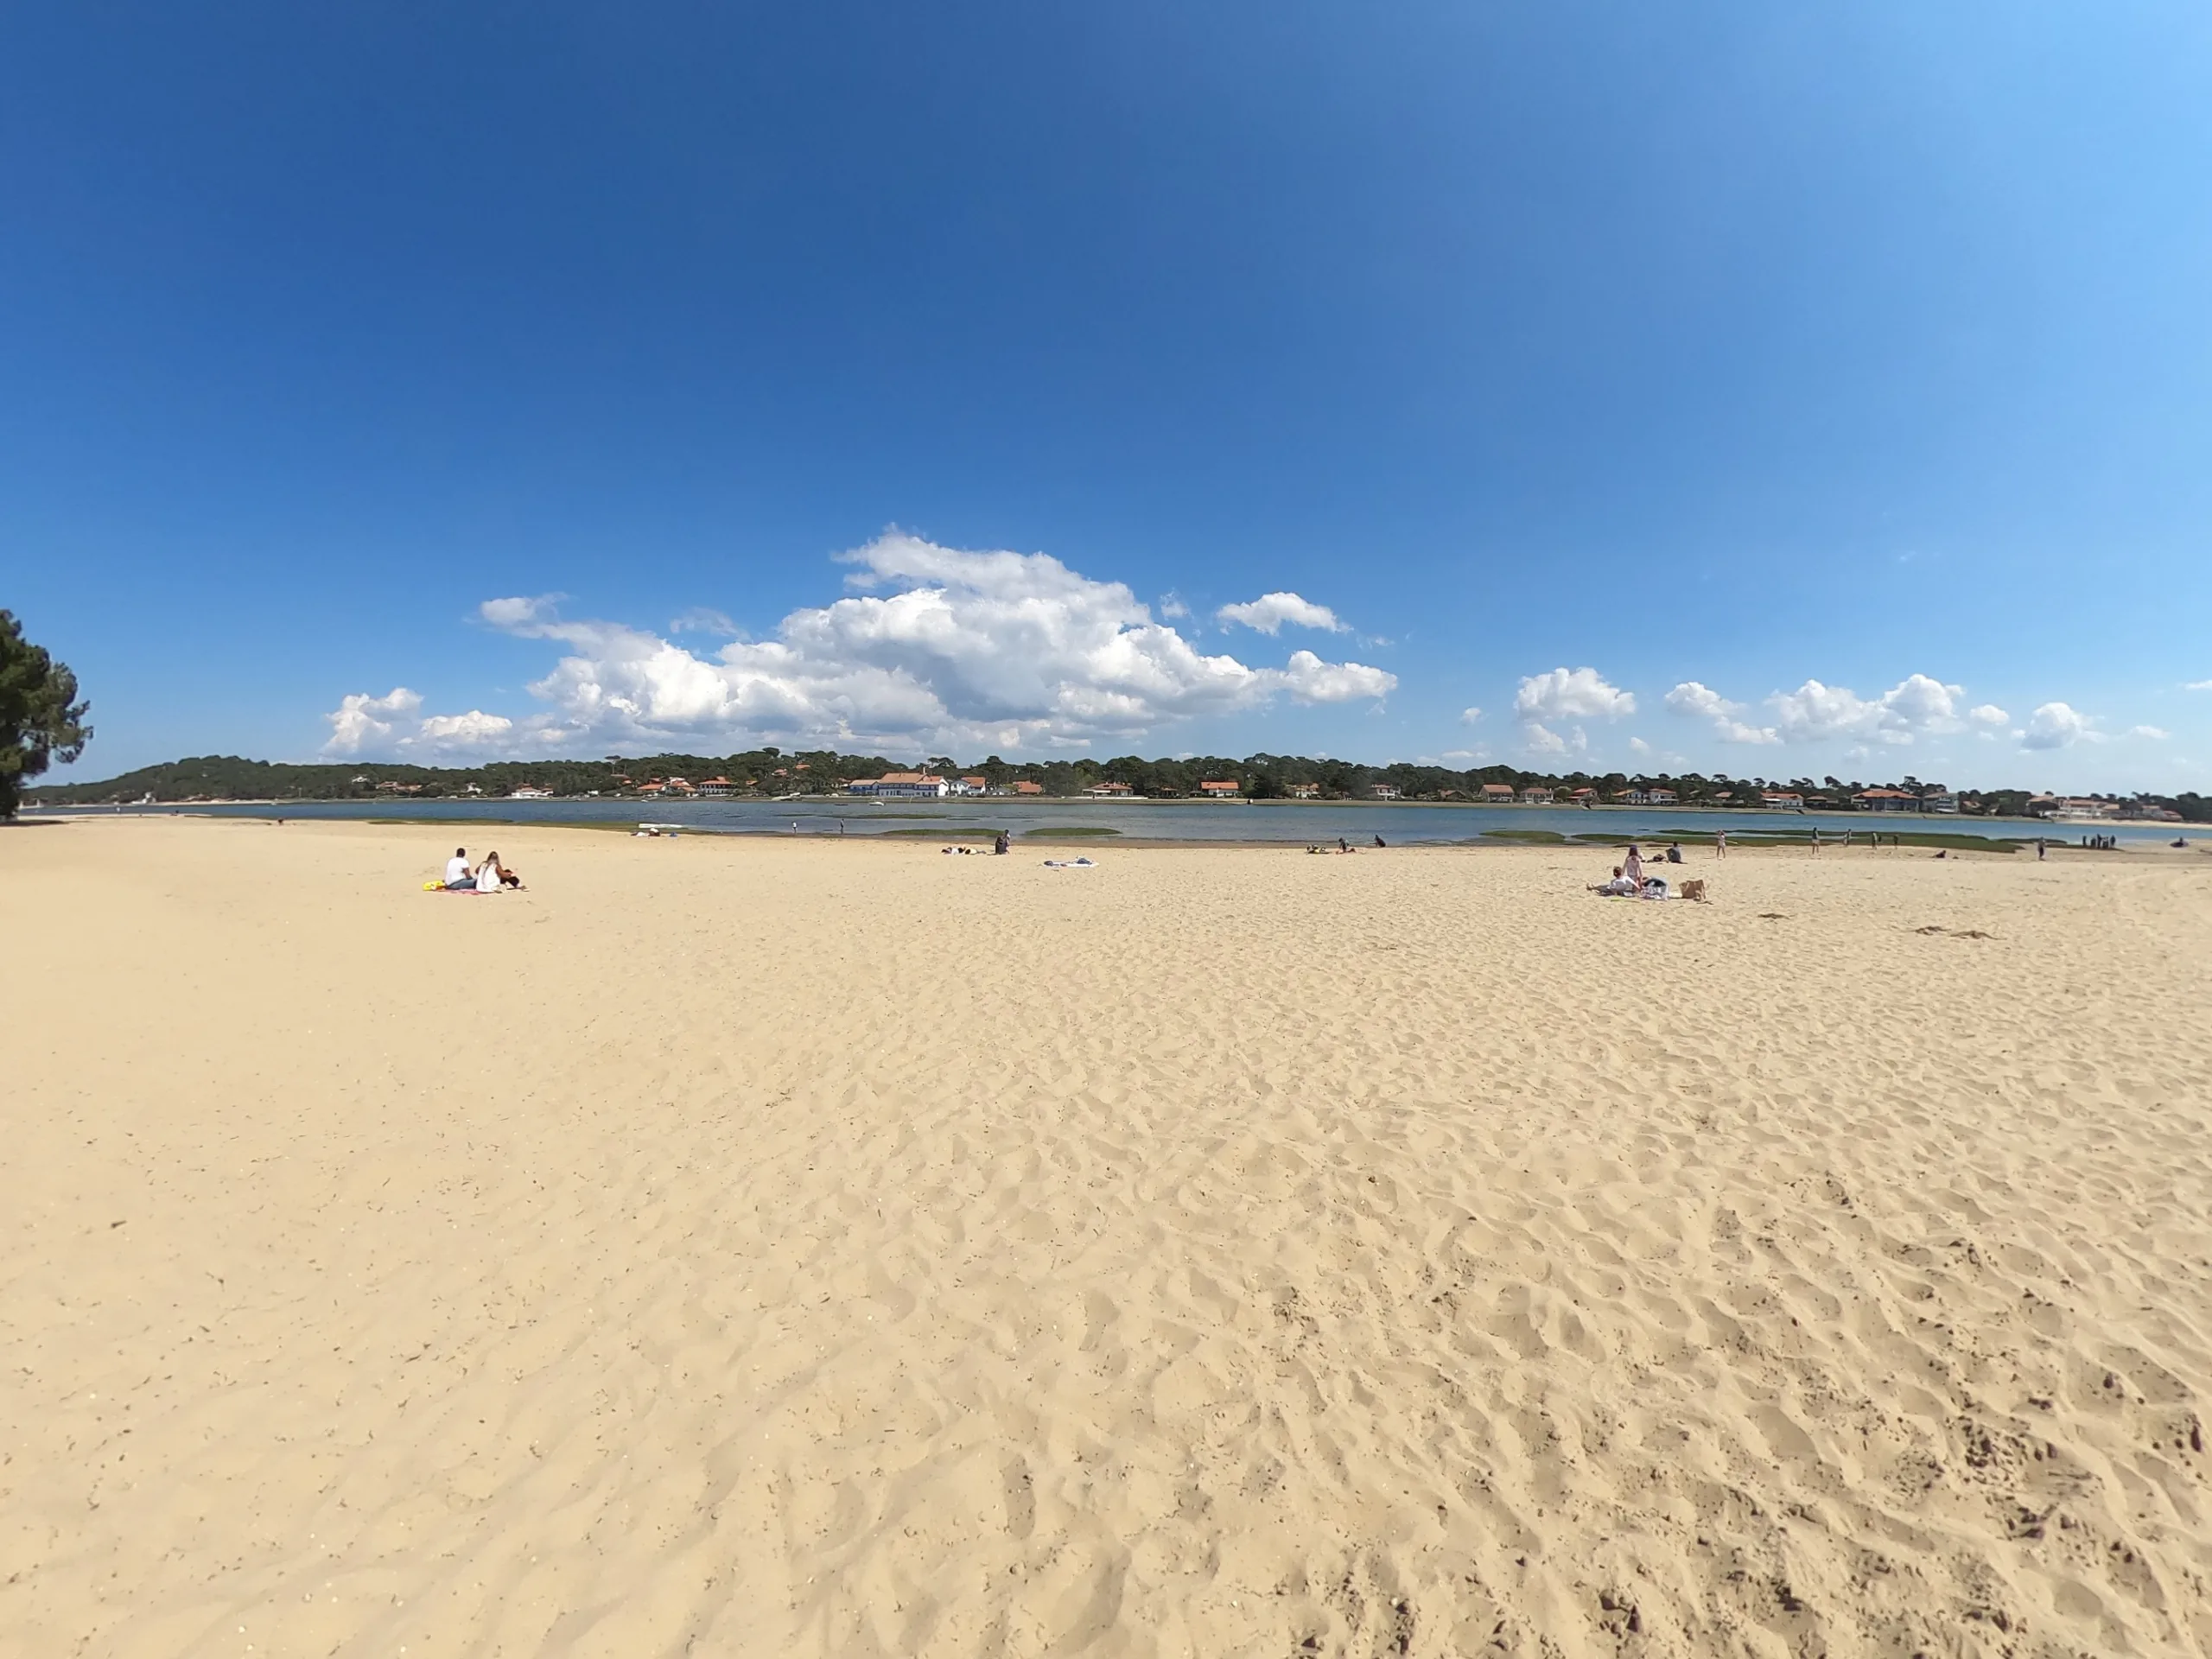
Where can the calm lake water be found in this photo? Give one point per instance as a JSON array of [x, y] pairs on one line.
[[1197, 821]]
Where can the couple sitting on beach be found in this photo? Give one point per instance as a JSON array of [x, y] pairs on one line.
[[1629, 881], [999, 846], [490, 876]]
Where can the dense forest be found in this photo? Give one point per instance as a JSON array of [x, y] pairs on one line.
[[770, 772]]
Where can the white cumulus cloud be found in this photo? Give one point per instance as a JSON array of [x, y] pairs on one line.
[[362, 723], [2154, 733], [2198, 685], [1914, 706], [1736, 731], [2054, 726], [994, 649], [1270, 611], [1571, 694], [1469, 716], [1989, 714], [1695, 698], [518, 615], [1541, 740], [1309, 679], [474, 733]]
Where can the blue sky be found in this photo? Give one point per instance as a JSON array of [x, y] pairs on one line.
[[1780, 390]]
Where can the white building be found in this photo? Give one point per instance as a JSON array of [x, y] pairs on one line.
[[1885, 800], [902, 786], [2082, 809]]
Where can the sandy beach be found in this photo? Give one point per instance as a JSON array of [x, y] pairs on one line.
[[796, 1248]]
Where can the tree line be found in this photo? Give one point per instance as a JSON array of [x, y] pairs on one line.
[[770, 771]]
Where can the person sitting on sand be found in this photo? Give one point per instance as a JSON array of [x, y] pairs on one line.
[[1619, 887], [458, 877], [508, 880], [1000, 844], [487, 873], [1674, 852], [1379, 840], [1343, 846]]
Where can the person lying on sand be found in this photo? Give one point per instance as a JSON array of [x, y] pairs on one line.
[[1619, 887]]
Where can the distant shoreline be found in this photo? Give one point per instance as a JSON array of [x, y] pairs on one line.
[[1767, 831], [368, 806]]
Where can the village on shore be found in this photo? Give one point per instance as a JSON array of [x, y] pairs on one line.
[[770, 774]]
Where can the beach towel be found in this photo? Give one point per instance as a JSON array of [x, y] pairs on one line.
[[1071, 864]]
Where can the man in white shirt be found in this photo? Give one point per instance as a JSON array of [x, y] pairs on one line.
[[458, 877]]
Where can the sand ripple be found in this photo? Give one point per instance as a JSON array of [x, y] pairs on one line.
[[805, 1249]]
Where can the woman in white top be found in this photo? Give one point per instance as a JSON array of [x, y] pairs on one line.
[[487, 873], [1632, 866]]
